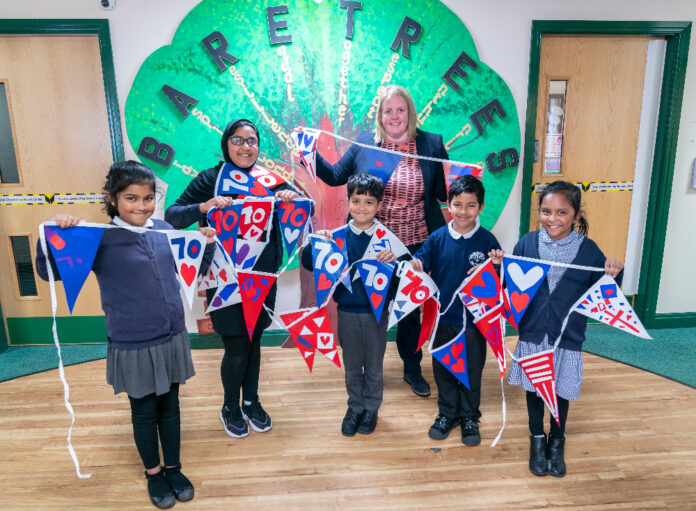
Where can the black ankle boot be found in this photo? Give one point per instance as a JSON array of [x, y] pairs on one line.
[[557, 466], [181, 486], [537, 456], [161, 494]]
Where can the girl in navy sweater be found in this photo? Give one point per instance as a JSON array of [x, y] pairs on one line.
[[559, 241], [148, 354]]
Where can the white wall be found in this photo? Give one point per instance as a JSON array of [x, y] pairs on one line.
[[501, 30]]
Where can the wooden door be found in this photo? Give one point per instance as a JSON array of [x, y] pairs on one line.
[[593, 89], [59, 132]]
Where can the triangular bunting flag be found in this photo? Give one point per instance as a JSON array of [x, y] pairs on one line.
[[187, 249], [381, 163], [255, 218], [267, 177], [315, 327], [382, 239], [453, 357], [539, 369], [329, 264], [305, 343], [226, 224], [254, 287], [73, 251], [232, 180], [247, 253], [455, 170], [606, 302], [306, 141], [226, 295], [376, 277], [293, 217], [484, 284], [414, 289], [491, 326], [429, 321], [523, 279]]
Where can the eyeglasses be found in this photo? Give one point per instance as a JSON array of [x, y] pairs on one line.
[[253, 142]]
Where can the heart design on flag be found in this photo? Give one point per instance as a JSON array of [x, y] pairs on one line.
[[493, 336], [524, 280], [488, 289], [375, 299], [242, 253], [340, 242], [291, 234], [609, 291], [446, 359], [228, 245], [380, 233], [222, 275], [188, 273], [258, 190], [459, 366], [519, 300], [217, 302], [324, 282], [456, 349]]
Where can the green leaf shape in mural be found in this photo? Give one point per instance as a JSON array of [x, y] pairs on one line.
[[321, 79]]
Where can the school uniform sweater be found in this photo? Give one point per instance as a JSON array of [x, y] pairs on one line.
[[547, 310], [448, 255], [138, 286]]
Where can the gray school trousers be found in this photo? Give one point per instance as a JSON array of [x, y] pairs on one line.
[[364, 342]]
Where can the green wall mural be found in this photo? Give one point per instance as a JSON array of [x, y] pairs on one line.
[[318, 64]]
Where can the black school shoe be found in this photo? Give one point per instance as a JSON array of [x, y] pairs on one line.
[[179, 483], [441, 427], [350, 422], [554, 454], [368, 422], [161, 494], [419, 386], [257, 417], [538, 464], [470, 432]]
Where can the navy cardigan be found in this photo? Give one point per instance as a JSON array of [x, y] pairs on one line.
[[547, 311], [427, 144]]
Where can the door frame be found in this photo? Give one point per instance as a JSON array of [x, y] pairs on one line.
[[100, 27], [677, 35]]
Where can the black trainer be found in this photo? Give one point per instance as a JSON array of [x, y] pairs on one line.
[[441, 427], [350, 422], [368, 422], [179, 483], [470, 432], [419, 386], [161, 495], [233, 422], [257, 417]]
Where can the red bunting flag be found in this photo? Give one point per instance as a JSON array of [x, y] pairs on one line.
[[254, 287], [491, 326], [304, 338], [484, 285], [539, 370], [431, 316], [315, 328]]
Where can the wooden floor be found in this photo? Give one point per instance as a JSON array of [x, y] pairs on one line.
[[630, 445]]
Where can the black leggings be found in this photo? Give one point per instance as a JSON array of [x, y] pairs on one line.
[[150, 414], [240, 367], [535, 409]]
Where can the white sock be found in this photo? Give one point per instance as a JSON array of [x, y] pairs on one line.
[[539, 436], [247, 402]]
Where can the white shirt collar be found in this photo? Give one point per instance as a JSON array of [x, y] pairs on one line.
[[456, 235], [122, 223], [370, 231]]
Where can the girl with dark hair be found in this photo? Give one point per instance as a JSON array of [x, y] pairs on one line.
[[148, 353], [560, 239], [241, 361]]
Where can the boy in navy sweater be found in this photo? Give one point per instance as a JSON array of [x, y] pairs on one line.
[[363, 339], [450, 254]]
